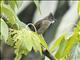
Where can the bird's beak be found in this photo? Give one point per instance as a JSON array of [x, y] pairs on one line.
[[53, 21]]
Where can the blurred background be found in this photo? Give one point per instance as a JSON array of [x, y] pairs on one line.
[[65, 13]]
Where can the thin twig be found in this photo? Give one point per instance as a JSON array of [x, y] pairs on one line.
[[48, 54]]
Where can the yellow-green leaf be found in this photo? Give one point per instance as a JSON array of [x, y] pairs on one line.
[[43, 42], [69, 44], [13, 4], [6, 10], [60, 49], [57, 42], [79, 8], [3, 29]]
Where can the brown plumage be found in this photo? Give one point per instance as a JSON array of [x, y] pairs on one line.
[[42, 25]]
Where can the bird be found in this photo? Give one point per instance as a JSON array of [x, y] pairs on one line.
[[43, 24]]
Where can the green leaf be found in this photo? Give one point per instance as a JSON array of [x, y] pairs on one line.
[[66, 45], [6, 10], [27, 39], [11, 16], [18, 57], [43, 42], [57, 42], [77, 30], [10, 41], [24, 38], [3, 29], [13, 4], [36, 42], [70, 42], [79, 8], [61, 48]]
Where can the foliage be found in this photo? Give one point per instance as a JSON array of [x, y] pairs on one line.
[[23, 40], [79, 8], [18, 35], [3, 29], [65, 44]]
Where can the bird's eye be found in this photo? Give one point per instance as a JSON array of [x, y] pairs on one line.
[[51, 18]]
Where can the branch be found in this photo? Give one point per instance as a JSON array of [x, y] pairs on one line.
[[48, 54]]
